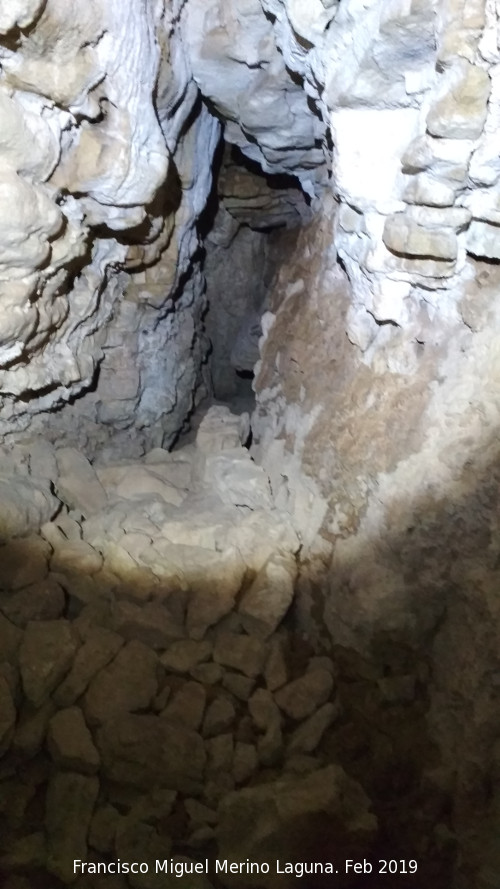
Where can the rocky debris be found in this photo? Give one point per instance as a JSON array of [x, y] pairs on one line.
[[99, 648], [183, 656], [187, 705]]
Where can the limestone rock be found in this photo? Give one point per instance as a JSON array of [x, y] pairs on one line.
[[266, 602], [10, 639], [78, 484], [301, 697], [214, 590], [70, 742], [461, 112], [149, 751], [187, 705], [69, 805], [404, 236], [45, 656], [128, 683], [184, 655], [152, 623], [76, 556], [307, 737], [99, 648], [221, 430], [240, 652]]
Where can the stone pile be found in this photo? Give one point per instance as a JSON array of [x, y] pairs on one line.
[[148, 687]]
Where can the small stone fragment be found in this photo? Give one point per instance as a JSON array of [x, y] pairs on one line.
[[239, 686]]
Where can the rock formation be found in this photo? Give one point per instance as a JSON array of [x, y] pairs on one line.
[[305, 599]]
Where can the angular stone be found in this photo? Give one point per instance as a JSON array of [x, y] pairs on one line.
[[184, 655], [220, 430], [209, 674], [220, 717], [70, 742], [306, 738], [187, 705], [237, 480], [99, 648], [461, 112], [405, 237], [69, 805], [135, 482], [40, 601], [78, 484], [24, 561], [45, 656], [241, 652], [239, 686], [265, 603], [76, 555], [7, 716], [149, 751], [128, 683], [483, 240], [198, 813], [214, 590], [25, 506], [300, 698], [152, 623]]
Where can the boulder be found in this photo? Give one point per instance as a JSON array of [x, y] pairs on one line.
[[240, 652], [70, 801], [78, 484], [303, 696], [128, 683]]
